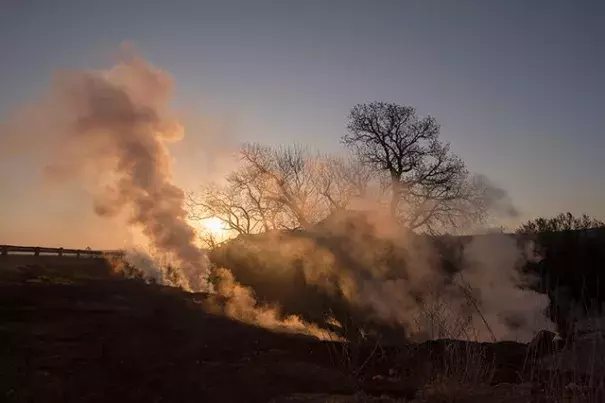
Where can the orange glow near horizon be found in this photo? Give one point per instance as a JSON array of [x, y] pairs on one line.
[[215, 226]]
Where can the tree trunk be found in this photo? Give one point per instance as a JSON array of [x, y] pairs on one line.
[[395, 195]]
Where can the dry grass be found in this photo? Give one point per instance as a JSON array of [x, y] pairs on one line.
[[464, 372]]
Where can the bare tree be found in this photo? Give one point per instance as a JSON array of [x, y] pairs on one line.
[[428, 185], [288, 178], [247, 203], [253, 191], [343, 180], [225, 203], [272, 189]]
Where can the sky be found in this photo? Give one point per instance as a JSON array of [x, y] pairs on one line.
[[517, 86]]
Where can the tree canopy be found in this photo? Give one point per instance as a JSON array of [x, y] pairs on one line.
[[429, 186], [394, 160]]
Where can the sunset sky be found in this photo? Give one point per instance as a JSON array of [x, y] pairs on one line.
[[517, 86]]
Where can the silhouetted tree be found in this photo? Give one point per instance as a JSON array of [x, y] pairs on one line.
[[281, 188], [287, 175], [399, 160], [572, 259], [227, 203], [561, 222], [244, 203], [343, 180], [429, 186]]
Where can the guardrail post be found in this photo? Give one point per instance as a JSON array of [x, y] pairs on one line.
[[36, 251], [60, 252], [78, 254], [4, 251]]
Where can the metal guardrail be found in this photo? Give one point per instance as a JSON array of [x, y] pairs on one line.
[[6, 250]]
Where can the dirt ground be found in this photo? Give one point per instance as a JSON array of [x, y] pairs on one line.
[[71, 331]]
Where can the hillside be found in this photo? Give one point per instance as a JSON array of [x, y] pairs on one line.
[[72, 331], [299, 269], [76, 333]]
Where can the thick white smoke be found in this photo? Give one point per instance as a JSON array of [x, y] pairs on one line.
[[487, 299], [116, 124], [241, 304], [398, 278]]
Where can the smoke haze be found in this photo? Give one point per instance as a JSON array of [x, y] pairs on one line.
[[108, 130], [240, 304], [389, 276]]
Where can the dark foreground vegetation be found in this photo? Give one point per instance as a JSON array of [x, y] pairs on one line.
[[71, 330]]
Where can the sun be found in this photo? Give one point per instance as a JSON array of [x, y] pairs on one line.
[[215, 226]]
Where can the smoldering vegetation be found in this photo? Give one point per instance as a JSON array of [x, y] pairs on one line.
[[109, 131], [391, 284]]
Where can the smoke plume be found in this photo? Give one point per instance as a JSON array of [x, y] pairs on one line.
[[116, 126], [395, 278], [240, 304], [110, 130]]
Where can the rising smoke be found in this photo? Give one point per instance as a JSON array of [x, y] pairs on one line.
[[240, 304], [117, 124], [109, 130], [388, 276], [114, 128]]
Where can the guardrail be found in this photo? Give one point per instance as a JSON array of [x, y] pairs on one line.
[[6, 250]]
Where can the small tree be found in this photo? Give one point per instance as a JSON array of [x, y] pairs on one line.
[[428, 185], [287, 176], [280, 188], [343, 180], [572, 255], [559, 223], [226, 203]]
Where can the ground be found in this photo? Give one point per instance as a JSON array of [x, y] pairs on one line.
[[71, 331], [90, 337]]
